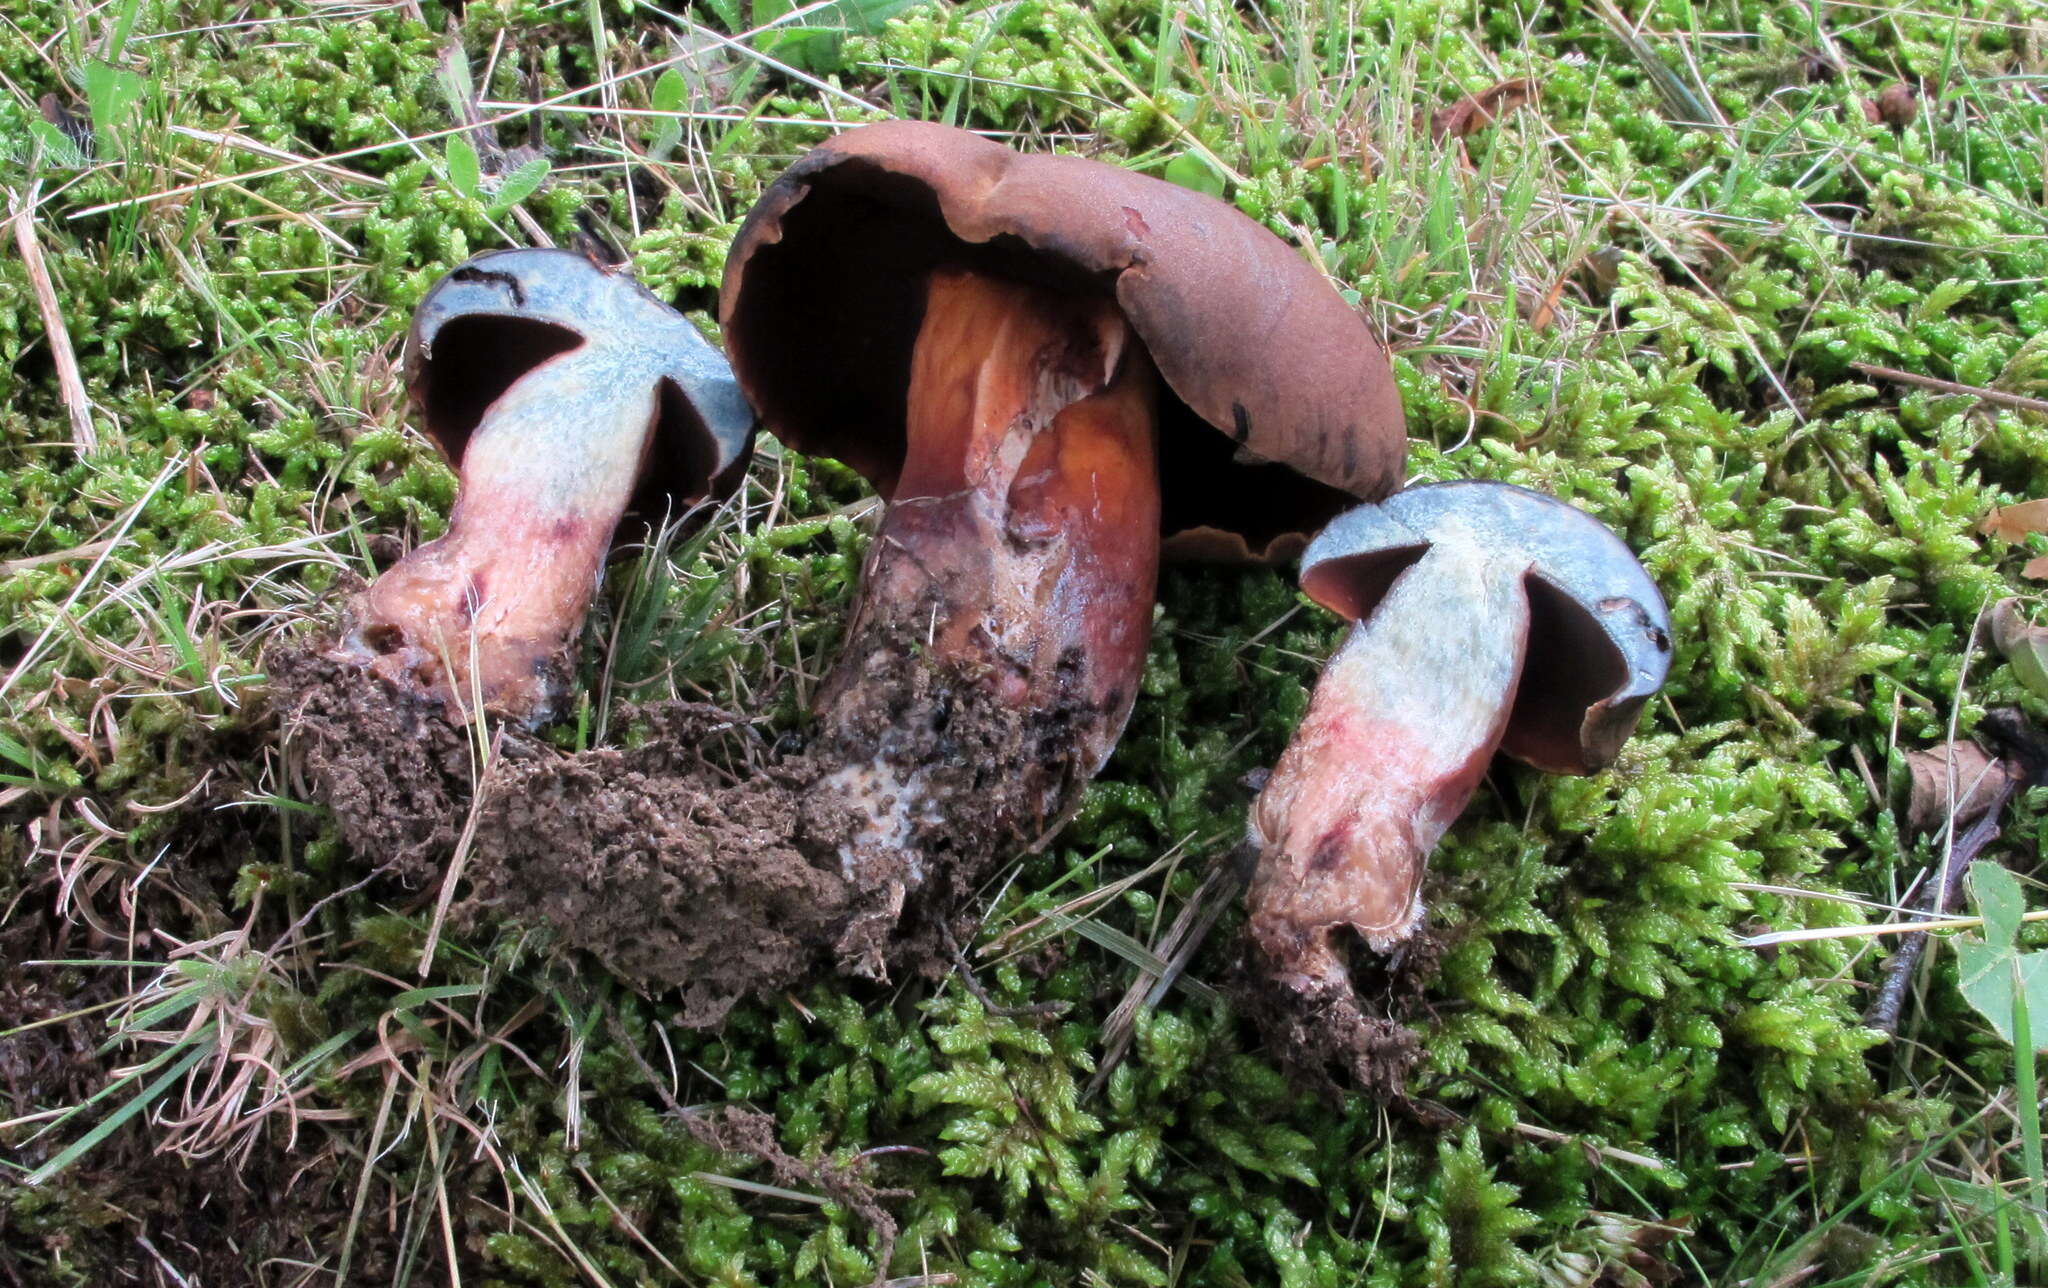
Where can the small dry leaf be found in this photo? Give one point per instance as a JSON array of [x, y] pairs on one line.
[[1977, 777], [1477, 111], [2024, 645], [1545, 311], [1896, 106], [2014, 522]]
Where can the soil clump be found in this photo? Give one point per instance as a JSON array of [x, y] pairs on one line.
[[694, 860], [1339, 1035], [393, 769]]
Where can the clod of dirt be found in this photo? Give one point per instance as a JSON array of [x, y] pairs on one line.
[[1335, 1037], [396, 774], [670, 867], [673, 875], [660, 861], [1897, 106], [666, 876]]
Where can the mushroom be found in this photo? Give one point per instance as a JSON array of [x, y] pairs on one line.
[[1488, 618], [553, 386], [1047, 366]]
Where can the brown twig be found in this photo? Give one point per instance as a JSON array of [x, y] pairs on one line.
[[69, 384], [2018, 401]]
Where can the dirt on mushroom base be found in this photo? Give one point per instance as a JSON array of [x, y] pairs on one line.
[[672, 874], [670, 877], [676, 870], [1355, 1027], [670, 866], [396, 773], [643, 857]]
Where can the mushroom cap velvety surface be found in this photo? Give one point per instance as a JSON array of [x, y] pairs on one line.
[[1599, 633], [1282, 408], [500, 315]]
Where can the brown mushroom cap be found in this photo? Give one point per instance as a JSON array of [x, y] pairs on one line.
[[823, 297]]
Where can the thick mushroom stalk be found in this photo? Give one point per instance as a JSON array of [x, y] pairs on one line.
[[1403, 724], [1055, 371], [1489, 618], [550, 383], [1006, 606]]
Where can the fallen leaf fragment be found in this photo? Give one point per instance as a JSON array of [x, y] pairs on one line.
[[1973, 775], [2014, 522], [2023, 749], [1477, 111], [2023, 644], [2037, 568]]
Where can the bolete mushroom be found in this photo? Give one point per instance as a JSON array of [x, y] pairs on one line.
[[1046, 365], [1488, 618], [553, 386]]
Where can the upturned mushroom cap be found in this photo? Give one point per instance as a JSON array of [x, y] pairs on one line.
[[1599, 634], [500, 315], [1283, 408]]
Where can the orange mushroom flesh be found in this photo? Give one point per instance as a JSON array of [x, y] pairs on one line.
[[1019, 554]]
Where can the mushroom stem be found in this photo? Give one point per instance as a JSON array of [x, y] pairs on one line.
[[1007, 603], [493, 606], [1398, 734]]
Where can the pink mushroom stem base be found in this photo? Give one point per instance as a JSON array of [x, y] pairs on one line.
[[1398, 734], [492, 608]]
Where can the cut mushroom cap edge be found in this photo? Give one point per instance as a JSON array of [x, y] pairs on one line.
[[555, 388], [1617, 647], [534, 303]]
